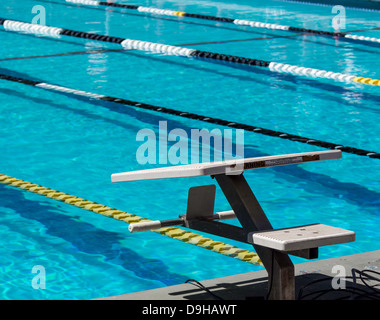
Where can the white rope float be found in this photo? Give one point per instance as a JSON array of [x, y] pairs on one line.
[[362, 38], [260, 24], [36, 29], [157, 48], [310, 72]]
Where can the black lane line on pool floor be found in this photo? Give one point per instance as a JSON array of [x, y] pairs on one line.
[[267, 132]]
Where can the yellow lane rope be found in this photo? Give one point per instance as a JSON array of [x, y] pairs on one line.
[[172, 232], [370, 81]]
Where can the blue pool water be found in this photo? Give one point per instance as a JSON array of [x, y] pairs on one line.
[[74, 145]]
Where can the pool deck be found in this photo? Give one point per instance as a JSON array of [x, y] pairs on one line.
[[253, 285]]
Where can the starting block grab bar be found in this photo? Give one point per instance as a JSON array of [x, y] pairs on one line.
[[157, 224]]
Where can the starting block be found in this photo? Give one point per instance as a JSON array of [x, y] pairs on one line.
[[272, 246]]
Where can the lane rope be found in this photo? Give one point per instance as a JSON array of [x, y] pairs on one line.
[[12, 25], [171, 232], [193, 116], [242, 22]]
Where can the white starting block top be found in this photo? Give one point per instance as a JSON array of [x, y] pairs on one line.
[[304, 237], [224, 167]]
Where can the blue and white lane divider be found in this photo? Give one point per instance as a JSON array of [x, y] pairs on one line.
[[18, 26]]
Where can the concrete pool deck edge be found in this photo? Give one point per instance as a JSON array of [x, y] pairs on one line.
[[253, 285]]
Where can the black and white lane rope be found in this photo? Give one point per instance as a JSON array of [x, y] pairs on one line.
[[221, 122], [42, 30], [241, 22]]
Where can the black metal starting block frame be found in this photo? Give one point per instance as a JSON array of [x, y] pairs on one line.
[[272, 246]]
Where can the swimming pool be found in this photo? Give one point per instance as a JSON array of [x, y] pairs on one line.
[[74, 145]]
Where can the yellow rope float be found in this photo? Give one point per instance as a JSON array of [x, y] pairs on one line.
[[370, 81], [172, 232], [179, 13]]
